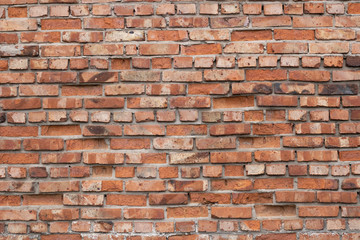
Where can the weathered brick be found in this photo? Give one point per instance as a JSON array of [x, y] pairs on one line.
[[338, 34], [328, 48], [266, 75], [18, 24], [60, 24], [318, 211], [276, 21], [312, 21], [244, 48], [201, 49], [100, 213], [143, 213], [287, 48], [208, 35], [231, 212], [103, 49], [18, 215], [224, 75], [158, 49]]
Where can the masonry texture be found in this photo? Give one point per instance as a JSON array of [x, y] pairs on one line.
[[169, 120]]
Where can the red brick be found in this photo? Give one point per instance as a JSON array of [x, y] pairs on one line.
[[276, 21], [231, 212], [230, 157], [284, 101], [351, 101], [251, 35], [285, 196], [188, 22], [337, 197], [187, 212], [175, 76], [18, 24], [161, 63], [275, 211], [104, 23], [230, 129], [179, 186], [61, 158], [100, 213], [16, 186], [103, 49], [183, 130], [15, 131], [143, 213], [208, 35], [61, 24], [327, 48], [49, 90], [158, 49], [17, 78], [224, 75], [81, 90], [205, 198], [8, 38], [163, 9], [43, 144], [313, 183], [54, 77], [350, 211], [104, 103], [353, 8], [190, 102], [314, 8], [150, 76], [65, 186], [228, 22], [60, 51], [231, 184], [280, 183], [145, 185], [21, 104], [99, 63], [130, 143], [58, 214], [10, 144], [61, 237], [287, 48], [168, 199], [10, 200], [318, 211], [18, 215], [145, 22], [312, 21], [58, 130], [201, 49], [271, 236], [104, 186], [41, 37], [244, 48], [330, 34], [101, 10], [215, 143], [170, 35]]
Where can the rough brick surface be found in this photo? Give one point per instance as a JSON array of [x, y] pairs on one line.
[[179, 119]]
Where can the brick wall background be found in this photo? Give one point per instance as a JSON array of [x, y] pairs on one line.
[[195, 120]]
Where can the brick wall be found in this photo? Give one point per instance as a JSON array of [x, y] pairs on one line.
[[195, 120]]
